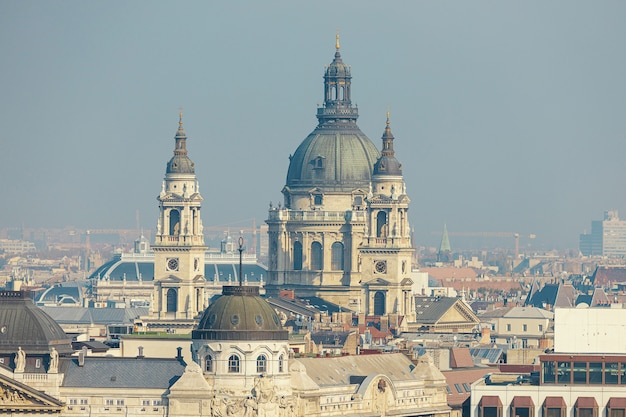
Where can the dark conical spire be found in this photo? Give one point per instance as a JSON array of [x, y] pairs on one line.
[[444, 254], [180, 162], [337, 91], [180, 138], [388, 140], [445, 241], [387, 164]]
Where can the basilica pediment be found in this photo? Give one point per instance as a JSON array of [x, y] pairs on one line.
[[376, 281], [199, 278], [172, 279], [406, 281], [21, 397]]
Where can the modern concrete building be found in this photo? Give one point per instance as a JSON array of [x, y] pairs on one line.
[[584, 377], [607, 237]]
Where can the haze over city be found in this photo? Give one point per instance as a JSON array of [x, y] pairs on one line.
[[508, 116]]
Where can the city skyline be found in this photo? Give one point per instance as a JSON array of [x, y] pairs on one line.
[[508, 117]]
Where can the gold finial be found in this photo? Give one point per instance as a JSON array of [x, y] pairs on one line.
[[337, 46], [180, 116], [388, 115]]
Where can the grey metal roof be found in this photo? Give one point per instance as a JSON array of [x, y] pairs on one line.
[[25, 325], [82, 315], [63, 292], [493, 355], [346, 370], [120, 269], [107, 372], [294, 306], [429, 310]]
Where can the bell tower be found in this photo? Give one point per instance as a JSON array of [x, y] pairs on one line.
[[387, 251], [179, 242]]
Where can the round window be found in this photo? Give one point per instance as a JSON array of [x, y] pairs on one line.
[[234, 319], [259, 320]]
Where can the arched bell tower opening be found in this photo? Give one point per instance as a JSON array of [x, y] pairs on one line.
[[379, 303], [297, 256], [381, 224], [317, 256], [174, 222]]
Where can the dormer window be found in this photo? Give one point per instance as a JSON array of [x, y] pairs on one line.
[[318, 199], [319, 162]]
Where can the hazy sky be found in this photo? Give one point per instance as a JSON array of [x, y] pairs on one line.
[[509, 116]]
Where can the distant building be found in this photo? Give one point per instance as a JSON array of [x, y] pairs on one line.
[[607, 237], [584, 377], [520, 327], [13, 247]]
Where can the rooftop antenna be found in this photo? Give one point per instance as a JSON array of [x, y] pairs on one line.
[[240, 259]]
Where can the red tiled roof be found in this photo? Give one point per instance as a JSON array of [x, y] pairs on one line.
[[460, 377], [450, 272], [461, 358], [522, 402], [586, 402], [554, 402], [606, 274], [617, 402], [490, 401]]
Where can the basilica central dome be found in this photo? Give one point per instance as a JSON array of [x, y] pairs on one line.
[[336, 157]]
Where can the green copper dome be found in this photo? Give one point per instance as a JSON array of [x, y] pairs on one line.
[[240, 314], [336, 156]]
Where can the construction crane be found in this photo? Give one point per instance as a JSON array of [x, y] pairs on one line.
[[514, 235]]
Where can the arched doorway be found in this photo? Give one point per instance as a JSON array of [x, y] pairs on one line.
[[379, 303], [172, 300]]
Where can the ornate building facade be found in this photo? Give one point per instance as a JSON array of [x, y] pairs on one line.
[[343, 231], [242, 367], [179, 249]]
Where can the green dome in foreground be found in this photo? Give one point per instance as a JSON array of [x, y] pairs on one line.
[[240, 314]]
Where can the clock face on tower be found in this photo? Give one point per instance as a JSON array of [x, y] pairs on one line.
[[381, 267], [172, 264]]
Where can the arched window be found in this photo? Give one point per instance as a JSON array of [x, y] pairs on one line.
[[336, 263], [280, 363], [233, 364], [297, 256], [172, 301], [317, 257], [261, 364], [318, 199], [174, 222], [381, 224], [379, 303], [208, 363]]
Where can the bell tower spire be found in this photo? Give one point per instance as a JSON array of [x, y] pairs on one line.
[[179, 241], [337, 91]]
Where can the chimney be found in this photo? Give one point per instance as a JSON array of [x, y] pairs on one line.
[[140, 355], [81, 356], [179, 355]]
